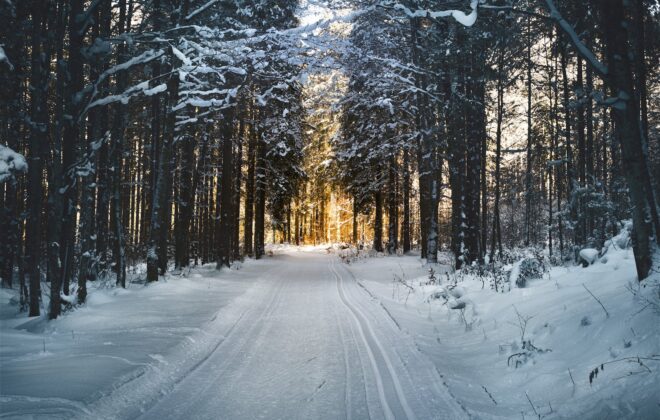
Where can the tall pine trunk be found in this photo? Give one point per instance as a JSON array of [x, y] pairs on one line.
[[378, 221], [393, 207], [37, 145], [260, 200], [250, 190], [405, 227], [227, 193], [627, 125]]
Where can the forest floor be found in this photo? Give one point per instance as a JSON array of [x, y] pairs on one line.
[[301, 335]]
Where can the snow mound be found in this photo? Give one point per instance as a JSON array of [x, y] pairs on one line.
[[589, 255]]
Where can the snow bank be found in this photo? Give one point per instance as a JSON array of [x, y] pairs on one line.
[[589, 255], [59, 369], [533, 350]]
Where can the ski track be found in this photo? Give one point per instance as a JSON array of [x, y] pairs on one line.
[[362, 324], [308, 341], [435, 377]]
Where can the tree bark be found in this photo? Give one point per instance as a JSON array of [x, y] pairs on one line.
[[227, 192], [37, 144], [250, 191], [260, 200], [186, 201], [405, 227], [627, 124], [378, 221], [393, 208]]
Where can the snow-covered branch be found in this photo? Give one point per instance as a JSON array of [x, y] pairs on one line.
[[582, 49], [10, 164], [201, 9], [465, 19], [3, 58]]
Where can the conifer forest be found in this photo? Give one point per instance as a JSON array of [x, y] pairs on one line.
[[330, 209]]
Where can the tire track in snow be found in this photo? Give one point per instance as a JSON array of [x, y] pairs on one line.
[[42, 407], [253, 332], [134, 394], [436, 378], [378, 352], [347, 371]]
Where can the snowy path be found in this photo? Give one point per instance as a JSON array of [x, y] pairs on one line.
[[297, 336], [293, 336], [313, 344]]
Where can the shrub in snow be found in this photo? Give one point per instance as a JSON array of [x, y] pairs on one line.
[[529, 268], [498, 278], [620, 241], [432, 278]]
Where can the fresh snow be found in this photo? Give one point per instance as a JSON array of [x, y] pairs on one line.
[[589, 255], [156, 90], [471, 345], [181, 56], [10, 163], [465, 19], [56, 369], [301, 334]]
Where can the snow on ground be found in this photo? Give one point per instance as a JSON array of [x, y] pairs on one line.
[[297, 338], [478, 346], [301, 334], [55, 369]]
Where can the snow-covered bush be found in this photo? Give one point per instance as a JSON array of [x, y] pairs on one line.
[[588, 256], [530, 269], [348, 253], [515, 267], [620, 241]]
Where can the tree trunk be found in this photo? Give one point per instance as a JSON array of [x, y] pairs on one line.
[[627, 124], [37, 145], [249, 191], [227, 192], [70, 146], [378, 221], [354, 234], [528, 170], [115, 153], [238, 172], [155, 248], [496, 237], [260, 200], [393, 208], [186, 201], [568, 147], [169, 141], [405, 227]]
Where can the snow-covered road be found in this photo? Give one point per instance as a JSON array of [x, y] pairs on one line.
[[300, 335], [312, 345]]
